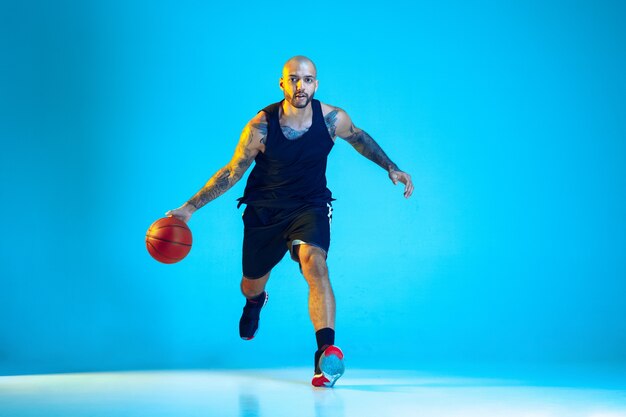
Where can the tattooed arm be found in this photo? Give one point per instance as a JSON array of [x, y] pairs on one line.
[[339, 124], [251, 142]]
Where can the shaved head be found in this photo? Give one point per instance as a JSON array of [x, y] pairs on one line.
[[297, 62]]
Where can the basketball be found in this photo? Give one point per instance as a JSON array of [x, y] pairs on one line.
[[168, 240]]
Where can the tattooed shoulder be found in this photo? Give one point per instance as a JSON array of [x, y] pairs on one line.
[[262, 129], [331, 122]]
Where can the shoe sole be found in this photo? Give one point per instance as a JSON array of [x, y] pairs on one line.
[[331, 365]]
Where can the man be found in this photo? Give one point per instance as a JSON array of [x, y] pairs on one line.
[[288, 206]]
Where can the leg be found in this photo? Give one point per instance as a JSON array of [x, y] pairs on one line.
[[321, 298], [251, 288], [309, 241], [256, 297], [328, 358]]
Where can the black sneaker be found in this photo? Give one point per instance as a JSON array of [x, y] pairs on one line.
[[249, 322]]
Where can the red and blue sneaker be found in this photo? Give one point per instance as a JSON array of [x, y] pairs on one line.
[[249, 322], [330, 366]]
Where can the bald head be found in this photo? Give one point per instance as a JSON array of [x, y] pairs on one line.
[[299, 62]]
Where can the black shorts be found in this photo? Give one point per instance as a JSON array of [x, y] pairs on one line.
[[270, 232]]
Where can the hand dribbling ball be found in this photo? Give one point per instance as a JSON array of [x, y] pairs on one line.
[[168, 240]]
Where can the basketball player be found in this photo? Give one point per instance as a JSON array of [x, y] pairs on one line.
[[288, 207]]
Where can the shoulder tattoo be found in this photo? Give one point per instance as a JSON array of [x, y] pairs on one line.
[[262, 128], [331, 122]]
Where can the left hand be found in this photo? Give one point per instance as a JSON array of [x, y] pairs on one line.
[[404, 178]]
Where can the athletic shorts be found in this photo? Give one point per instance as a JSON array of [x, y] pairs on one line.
[[270, 232]]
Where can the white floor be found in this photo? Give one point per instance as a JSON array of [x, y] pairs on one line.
[[277, 393]]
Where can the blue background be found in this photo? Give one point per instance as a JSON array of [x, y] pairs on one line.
[[509, 116]]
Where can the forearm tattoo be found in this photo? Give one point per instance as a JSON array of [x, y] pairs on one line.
[[368, 147], [226, 177], [215, 187]]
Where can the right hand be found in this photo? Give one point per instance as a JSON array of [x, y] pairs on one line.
[[183, 212]]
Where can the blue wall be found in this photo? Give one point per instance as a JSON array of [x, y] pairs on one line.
[[510, 119]]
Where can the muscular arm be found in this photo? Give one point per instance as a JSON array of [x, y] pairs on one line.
[[339, 123], [251, 142]]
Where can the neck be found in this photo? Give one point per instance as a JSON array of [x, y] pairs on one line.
[[295, 113]]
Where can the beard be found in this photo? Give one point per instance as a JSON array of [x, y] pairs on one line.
[[298, 102]]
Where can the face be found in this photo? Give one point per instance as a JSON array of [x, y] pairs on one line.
[[299, 83]]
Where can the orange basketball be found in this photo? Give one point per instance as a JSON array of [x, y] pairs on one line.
[[168, 240]]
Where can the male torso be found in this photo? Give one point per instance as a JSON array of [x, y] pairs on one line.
[[291, 168]]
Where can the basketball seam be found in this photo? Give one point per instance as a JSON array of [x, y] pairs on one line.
[[161, 253], [168, 241]]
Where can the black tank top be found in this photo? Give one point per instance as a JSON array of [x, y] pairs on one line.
[[290, 172]]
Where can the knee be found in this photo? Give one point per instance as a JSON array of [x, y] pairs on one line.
[[250, 288], [247, 290], [313, 259]]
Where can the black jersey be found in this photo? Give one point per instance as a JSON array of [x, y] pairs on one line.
[[290, 172]]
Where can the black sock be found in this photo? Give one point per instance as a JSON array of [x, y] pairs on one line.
[[325, 337]]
